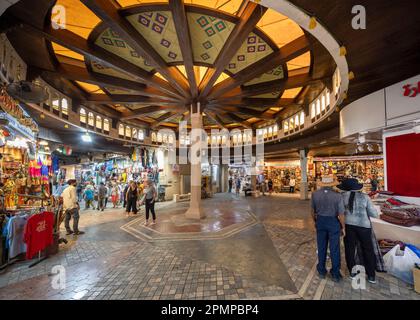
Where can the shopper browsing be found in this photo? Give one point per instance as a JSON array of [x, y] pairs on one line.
[[359, 208], [102, 195], [292, 184], [89, 195], [71, 208], [115, 194], [328, 215], [149, 198], [131, 197]]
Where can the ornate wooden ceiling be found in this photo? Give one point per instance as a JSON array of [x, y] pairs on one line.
[[244, 64]]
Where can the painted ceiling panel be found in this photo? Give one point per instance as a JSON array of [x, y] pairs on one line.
[[159, 30], [275, 74], [251, 51], [208, 35], [111, 41], [101, 68]]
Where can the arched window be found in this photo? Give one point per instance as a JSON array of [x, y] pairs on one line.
[[235, 139], [128, 132], [64, 107], [154, 139], [318, 107], [121, 130], [270, 132], [313, 111], [82, 115], [286, 126], [296, 121], [328, 98], [99, 122], [159, 137], [302, 118], [265, 133], [171, 139], [134, 134], [106, 125], [56, 105], [91, 119], [291, 124], [165, 138], [323, 103], [141, 135]]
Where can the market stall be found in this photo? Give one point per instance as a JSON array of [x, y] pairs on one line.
[[364, 168]]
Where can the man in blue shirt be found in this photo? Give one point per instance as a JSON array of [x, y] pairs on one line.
[[328, 214]]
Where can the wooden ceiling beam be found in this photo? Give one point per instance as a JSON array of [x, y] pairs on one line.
[[79, 45], [184, 38], [244, 111], [165, 118], [80, 73], [216, 119], [248, 19], [127, 99], [239, 120], [300, 80], [147, 110], [108, 12], [288, 52]]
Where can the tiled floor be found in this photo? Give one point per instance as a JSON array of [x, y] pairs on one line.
[[273, 258]]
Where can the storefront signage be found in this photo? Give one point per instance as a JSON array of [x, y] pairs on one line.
[[411, 90], [16, 126], [14, 111]]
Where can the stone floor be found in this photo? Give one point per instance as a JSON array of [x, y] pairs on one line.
[[273, 258]]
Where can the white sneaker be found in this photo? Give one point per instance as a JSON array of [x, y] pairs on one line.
[[146, 223]]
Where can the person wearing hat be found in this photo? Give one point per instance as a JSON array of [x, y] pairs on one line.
[[71, 207], [359, 208], [328, 215]]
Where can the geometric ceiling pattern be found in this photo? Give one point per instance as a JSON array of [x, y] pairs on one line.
[[153, 59]]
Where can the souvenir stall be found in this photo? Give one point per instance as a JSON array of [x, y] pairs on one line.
[[281, 172], [25, 201], [364, 168]]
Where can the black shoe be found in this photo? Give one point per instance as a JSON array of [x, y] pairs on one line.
[[69, 232], [353, 275], [102, 210], [321, 275], [372, 280], [77, 233], [336, 279]]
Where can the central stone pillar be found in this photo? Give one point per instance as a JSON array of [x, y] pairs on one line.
[[195, 211], [304, 195]]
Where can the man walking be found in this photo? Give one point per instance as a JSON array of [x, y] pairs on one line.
[[71, 208], [102, 195], [328, 215]]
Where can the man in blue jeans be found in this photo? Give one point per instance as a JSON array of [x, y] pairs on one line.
[[328, 214]]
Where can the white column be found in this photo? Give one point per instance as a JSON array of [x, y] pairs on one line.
[[304, 195], [195, 211]]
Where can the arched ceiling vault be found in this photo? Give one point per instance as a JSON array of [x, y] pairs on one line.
[[150, 61]]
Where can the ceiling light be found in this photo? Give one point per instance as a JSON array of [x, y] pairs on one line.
[[66, 126], [86, 137], [43, 143]]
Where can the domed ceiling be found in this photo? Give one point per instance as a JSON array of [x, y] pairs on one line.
[[151, 60]]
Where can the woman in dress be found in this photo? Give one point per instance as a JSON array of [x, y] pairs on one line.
[[131, 197]]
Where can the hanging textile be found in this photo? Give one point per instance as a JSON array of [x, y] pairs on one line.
[[39, 233]]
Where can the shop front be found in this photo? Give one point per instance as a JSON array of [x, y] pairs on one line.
[[369, 170], [394, 117], [281, 172]]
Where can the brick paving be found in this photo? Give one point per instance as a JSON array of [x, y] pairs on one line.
[[110, 264]]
